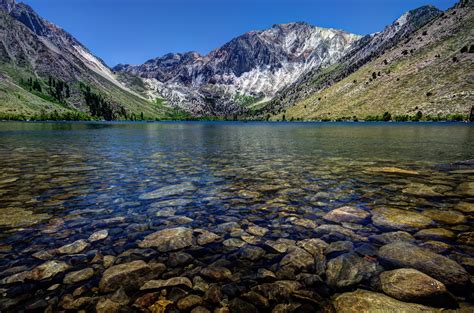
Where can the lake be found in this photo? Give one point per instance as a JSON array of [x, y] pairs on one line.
[[248, 216]]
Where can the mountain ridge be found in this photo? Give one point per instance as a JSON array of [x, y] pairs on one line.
[[365, 49], [32, 48], [256, 75], [279, 54], [427, 74]]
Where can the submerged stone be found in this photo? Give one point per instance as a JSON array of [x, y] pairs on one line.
[[44, 255], [238, 305], [228, 227], [315, 246], [339, 247], [435, 233], [78, 276], [171, 282], [436, 246], [74, 247], [252, 253], [207, 237], [48, 270], [348, 270], [410, 285], [403, 254], [392, 170], [171, 203], [234, 243], [166, 212], [338, 231], [389, 237], [128, 275], [107, 306], [466, 189], [257, 230], [347, 214], [466, 238], [421, 190], [179, 220], [189, 302], [281, 245], [247, 194], [216, 273], [304, 222], [369, 301], [466, 207], [168, 239], [297, 258], [168, 191], [99, 235], [179, 258], [399, 219], [16, 217], [446, 216], [160, 306]]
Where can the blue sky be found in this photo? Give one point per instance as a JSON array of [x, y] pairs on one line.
[[133, 31]]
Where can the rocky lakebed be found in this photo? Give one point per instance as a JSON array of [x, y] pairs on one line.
[[224, 232]]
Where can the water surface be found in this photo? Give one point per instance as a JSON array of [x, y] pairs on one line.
[[61, 182]]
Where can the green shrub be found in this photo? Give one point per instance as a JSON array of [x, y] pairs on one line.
[[386, 117], [417, 116]]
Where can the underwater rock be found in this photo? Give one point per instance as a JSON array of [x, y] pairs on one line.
[[369, 301], [78, 276], [391, 218], [347, 214], [410, 285], [168, 191], [128, 275], [168, 239], [406, 255]]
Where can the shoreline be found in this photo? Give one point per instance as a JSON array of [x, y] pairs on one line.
[[241, 121]]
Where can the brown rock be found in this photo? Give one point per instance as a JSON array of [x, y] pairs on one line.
[[78, 276], [73, 248], [368, 301], [189, 302], [406, 255], [399, 219], [168, 239], [48, 269], [216, 273], [347, 214], [172, 282], [128, 275], [410, 285]]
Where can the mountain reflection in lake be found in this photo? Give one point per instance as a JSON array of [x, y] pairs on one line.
[[179, 216]]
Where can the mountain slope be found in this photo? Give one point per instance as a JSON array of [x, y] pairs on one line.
[[32, 48], [425, 72], [365, 49], [253, 66]]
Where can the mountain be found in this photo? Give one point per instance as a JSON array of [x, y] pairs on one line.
[[364, 50], [425, 71], [249, 69], [421, 62], [44, 68]]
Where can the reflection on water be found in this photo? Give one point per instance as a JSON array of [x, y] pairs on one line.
[[240, 202]]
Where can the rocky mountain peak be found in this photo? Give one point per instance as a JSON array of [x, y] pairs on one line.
[[465, 3], [292, 26], [7, 5], [256, 64], [421, 15]]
